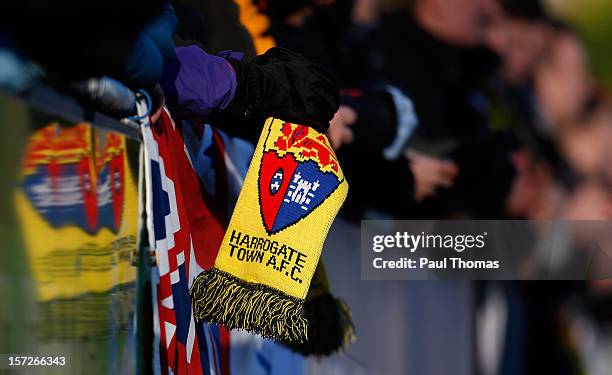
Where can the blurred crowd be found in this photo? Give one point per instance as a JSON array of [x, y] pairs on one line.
[[464, 109], [471, 109]]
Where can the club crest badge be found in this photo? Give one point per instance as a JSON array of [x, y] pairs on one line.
[[71, 182], [298, 171]]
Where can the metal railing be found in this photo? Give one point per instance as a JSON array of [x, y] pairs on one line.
[[56, 102]]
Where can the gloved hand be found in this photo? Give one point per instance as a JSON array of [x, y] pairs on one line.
[[283, 84]]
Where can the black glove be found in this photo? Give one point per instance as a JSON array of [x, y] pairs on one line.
[[283, 84]]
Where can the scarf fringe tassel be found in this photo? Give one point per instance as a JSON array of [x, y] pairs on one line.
[[219, 297], [330, 327]]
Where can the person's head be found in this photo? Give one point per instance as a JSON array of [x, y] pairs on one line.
[[562, 80], [520, 44], [587, 143], [459, 22], [518, 36]]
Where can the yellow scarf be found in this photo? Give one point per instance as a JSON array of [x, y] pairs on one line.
[[292, 191]]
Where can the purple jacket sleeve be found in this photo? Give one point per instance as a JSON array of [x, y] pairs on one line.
[[196, 83]]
